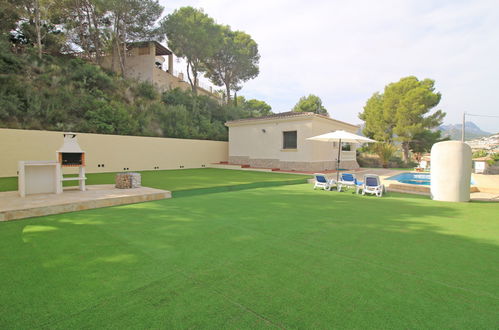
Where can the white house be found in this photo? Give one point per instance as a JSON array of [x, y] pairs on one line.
[[279, 141]]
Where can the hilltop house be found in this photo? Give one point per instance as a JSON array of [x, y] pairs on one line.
[[145, 62], [280, 141]]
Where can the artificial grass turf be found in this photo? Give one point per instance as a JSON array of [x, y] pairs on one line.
[[283, 256], [7, 184], [188, 179]]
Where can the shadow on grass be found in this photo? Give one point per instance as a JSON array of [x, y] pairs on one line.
[[238, 187], [187, 179]]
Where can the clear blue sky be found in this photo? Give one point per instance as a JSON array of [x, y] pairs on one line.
[[344, 51]]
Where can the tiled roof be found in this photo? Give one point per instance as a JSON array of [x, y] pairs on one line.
[[284, 115], [276, 116]]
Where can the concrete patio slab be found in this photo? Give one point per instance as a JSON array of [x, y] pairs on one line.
[[485, 197], [13, 207], [487, 183]]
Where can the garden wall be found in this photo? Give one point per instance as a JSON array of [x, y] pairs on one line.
[[493, 169], [110, 153]]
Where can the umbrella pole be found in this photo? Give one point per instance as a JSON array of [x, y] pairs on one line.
[[338, 162]]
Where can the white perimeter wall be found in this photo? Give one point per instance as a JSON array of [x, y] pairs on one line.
[[116, 152]]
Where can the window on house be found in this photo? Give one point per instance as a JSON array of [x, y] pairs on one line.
[[345, 146], [289, 140]]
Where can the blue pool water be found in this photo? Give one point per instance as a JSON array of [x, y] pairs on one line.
[[414, 178]]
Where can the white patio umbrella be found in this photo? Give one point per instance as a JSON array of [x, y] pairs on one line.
[[340, 136]]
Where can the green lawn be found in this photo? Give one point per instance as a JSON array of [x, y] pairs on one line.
[[273, 257]]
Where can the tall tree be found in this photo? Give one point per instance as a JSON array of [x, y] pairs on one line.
[[254, 107], [402, 111], [193, 35], [87, 23], [236, 60], [379, 123], [261, 108], [310, 103], [37, 11], [132, 20], [423, 141], [35, 16]]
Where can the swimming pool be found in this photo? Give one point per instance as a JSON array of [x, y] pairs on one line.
[[422, 179], [412, 178]]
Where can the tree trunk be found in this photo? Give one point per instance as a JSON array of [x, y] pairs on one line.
[[113, 55], [120, 56], [189, 75], [81, 29], [96, 35], [38, 28], [123, 40], [117, 45], [90, 17], [405, 149], [194, 73], [227, 90]]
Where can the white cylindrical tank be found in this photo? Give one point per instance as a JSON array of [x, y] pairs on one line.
[[450, 171]]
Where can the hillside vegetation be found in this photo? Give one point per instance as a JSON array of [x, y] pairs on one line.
[[70, 94], [51, 77]]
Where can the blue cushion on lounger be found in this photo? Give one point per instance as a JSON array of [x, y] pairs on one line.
[[320, 178]]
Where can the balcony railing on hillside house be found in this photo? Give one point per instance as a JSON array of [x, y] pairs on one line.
[[165, 80], [180, 75]]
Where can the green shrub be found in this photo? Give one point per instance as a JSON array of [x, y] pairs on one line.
[[147, 91], [88, 76], [385, 152], [479, 153], [9, 63], [494, 158], [366, 160], [110, 118]]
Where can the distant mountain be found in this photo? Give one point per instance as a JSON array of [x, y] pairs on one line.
[[472, 131], [453, 131]]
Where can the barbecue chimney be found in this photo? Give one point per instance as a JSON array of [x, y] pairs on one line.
[[71, 155]]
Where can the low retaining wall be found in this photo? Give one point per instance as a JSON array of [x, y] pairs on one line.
[[417, 189], [292, 166], [493, 169]]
